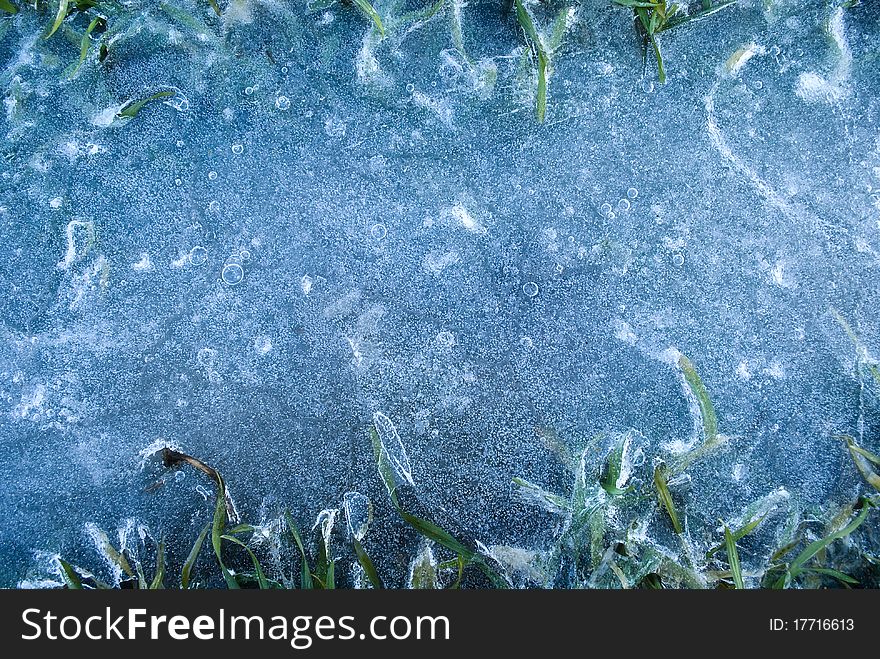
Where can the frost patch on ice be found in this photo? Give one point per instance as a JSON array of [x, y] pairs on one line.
[[813, 87], [623, 331], [107, 116], [30, 403], [437, 262], [144, 264], [78, 244]]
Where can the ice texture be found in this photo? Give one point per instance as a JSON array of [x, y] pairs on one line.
[[324, 230]]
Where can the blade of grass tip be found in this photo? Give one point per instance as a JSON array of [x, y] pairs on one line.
[[331, 576], [59, 17], [862, 459], [217, 527], [305, 573], [613, 465], [115, 557], [131, 109], [661, 478], [8, 7], [797, 565], [370, 12], [216, 7], [733, 559], [71, 578], [158, 580], [258, 570], [186, 572], [367, 563], [85, 43], [691, 377], [560, 27], [528, 25]]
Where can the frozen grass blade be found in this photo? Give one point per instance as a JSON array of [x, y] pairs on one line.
[[370, 12], [71, 578], [8, 7], [661, 484], [107, 548], [258, 570], [612, 469], [217, 533], [425, 527], [86, 43], [216, 7], [862, 458], [131, 109], [535, 495], [367, 563], [186, 572], [799, 564], [707, 410], [158, 581], [305, 573], [59, 17], [733, 559]]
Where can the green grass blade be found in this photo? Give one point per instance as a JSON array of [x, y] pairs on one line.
[[59, 17], [85, 43], [691, 377], [71, 578], [560, 26], [216, 7], [305, 573], [612, 468], [367, 563], [159, 579], [733, 559], [541, 101], [370, 12], [258, 570], [835, 574], [661, 480], [528, 25], [131, 109], [798, 565], [217, 527], [737, 534], [862, 459], [186, 572], [8, 7]]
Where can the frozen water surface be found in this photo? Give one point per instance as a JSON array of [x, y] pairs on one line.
[[322, 229]]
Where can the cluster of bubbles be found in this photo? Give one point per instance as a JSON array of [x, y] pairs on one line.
[[623, 204], [232, 272]]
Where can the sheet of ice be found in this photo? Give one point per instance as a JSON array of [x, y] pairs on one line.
[[323, 224]]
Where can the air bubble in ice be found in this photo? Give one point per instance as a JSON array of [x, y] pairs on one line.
[[198, 255], [632, 193], [530, 289], [378, 231], [237, 148], [282, 103], [232, 274], [623, 205]]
